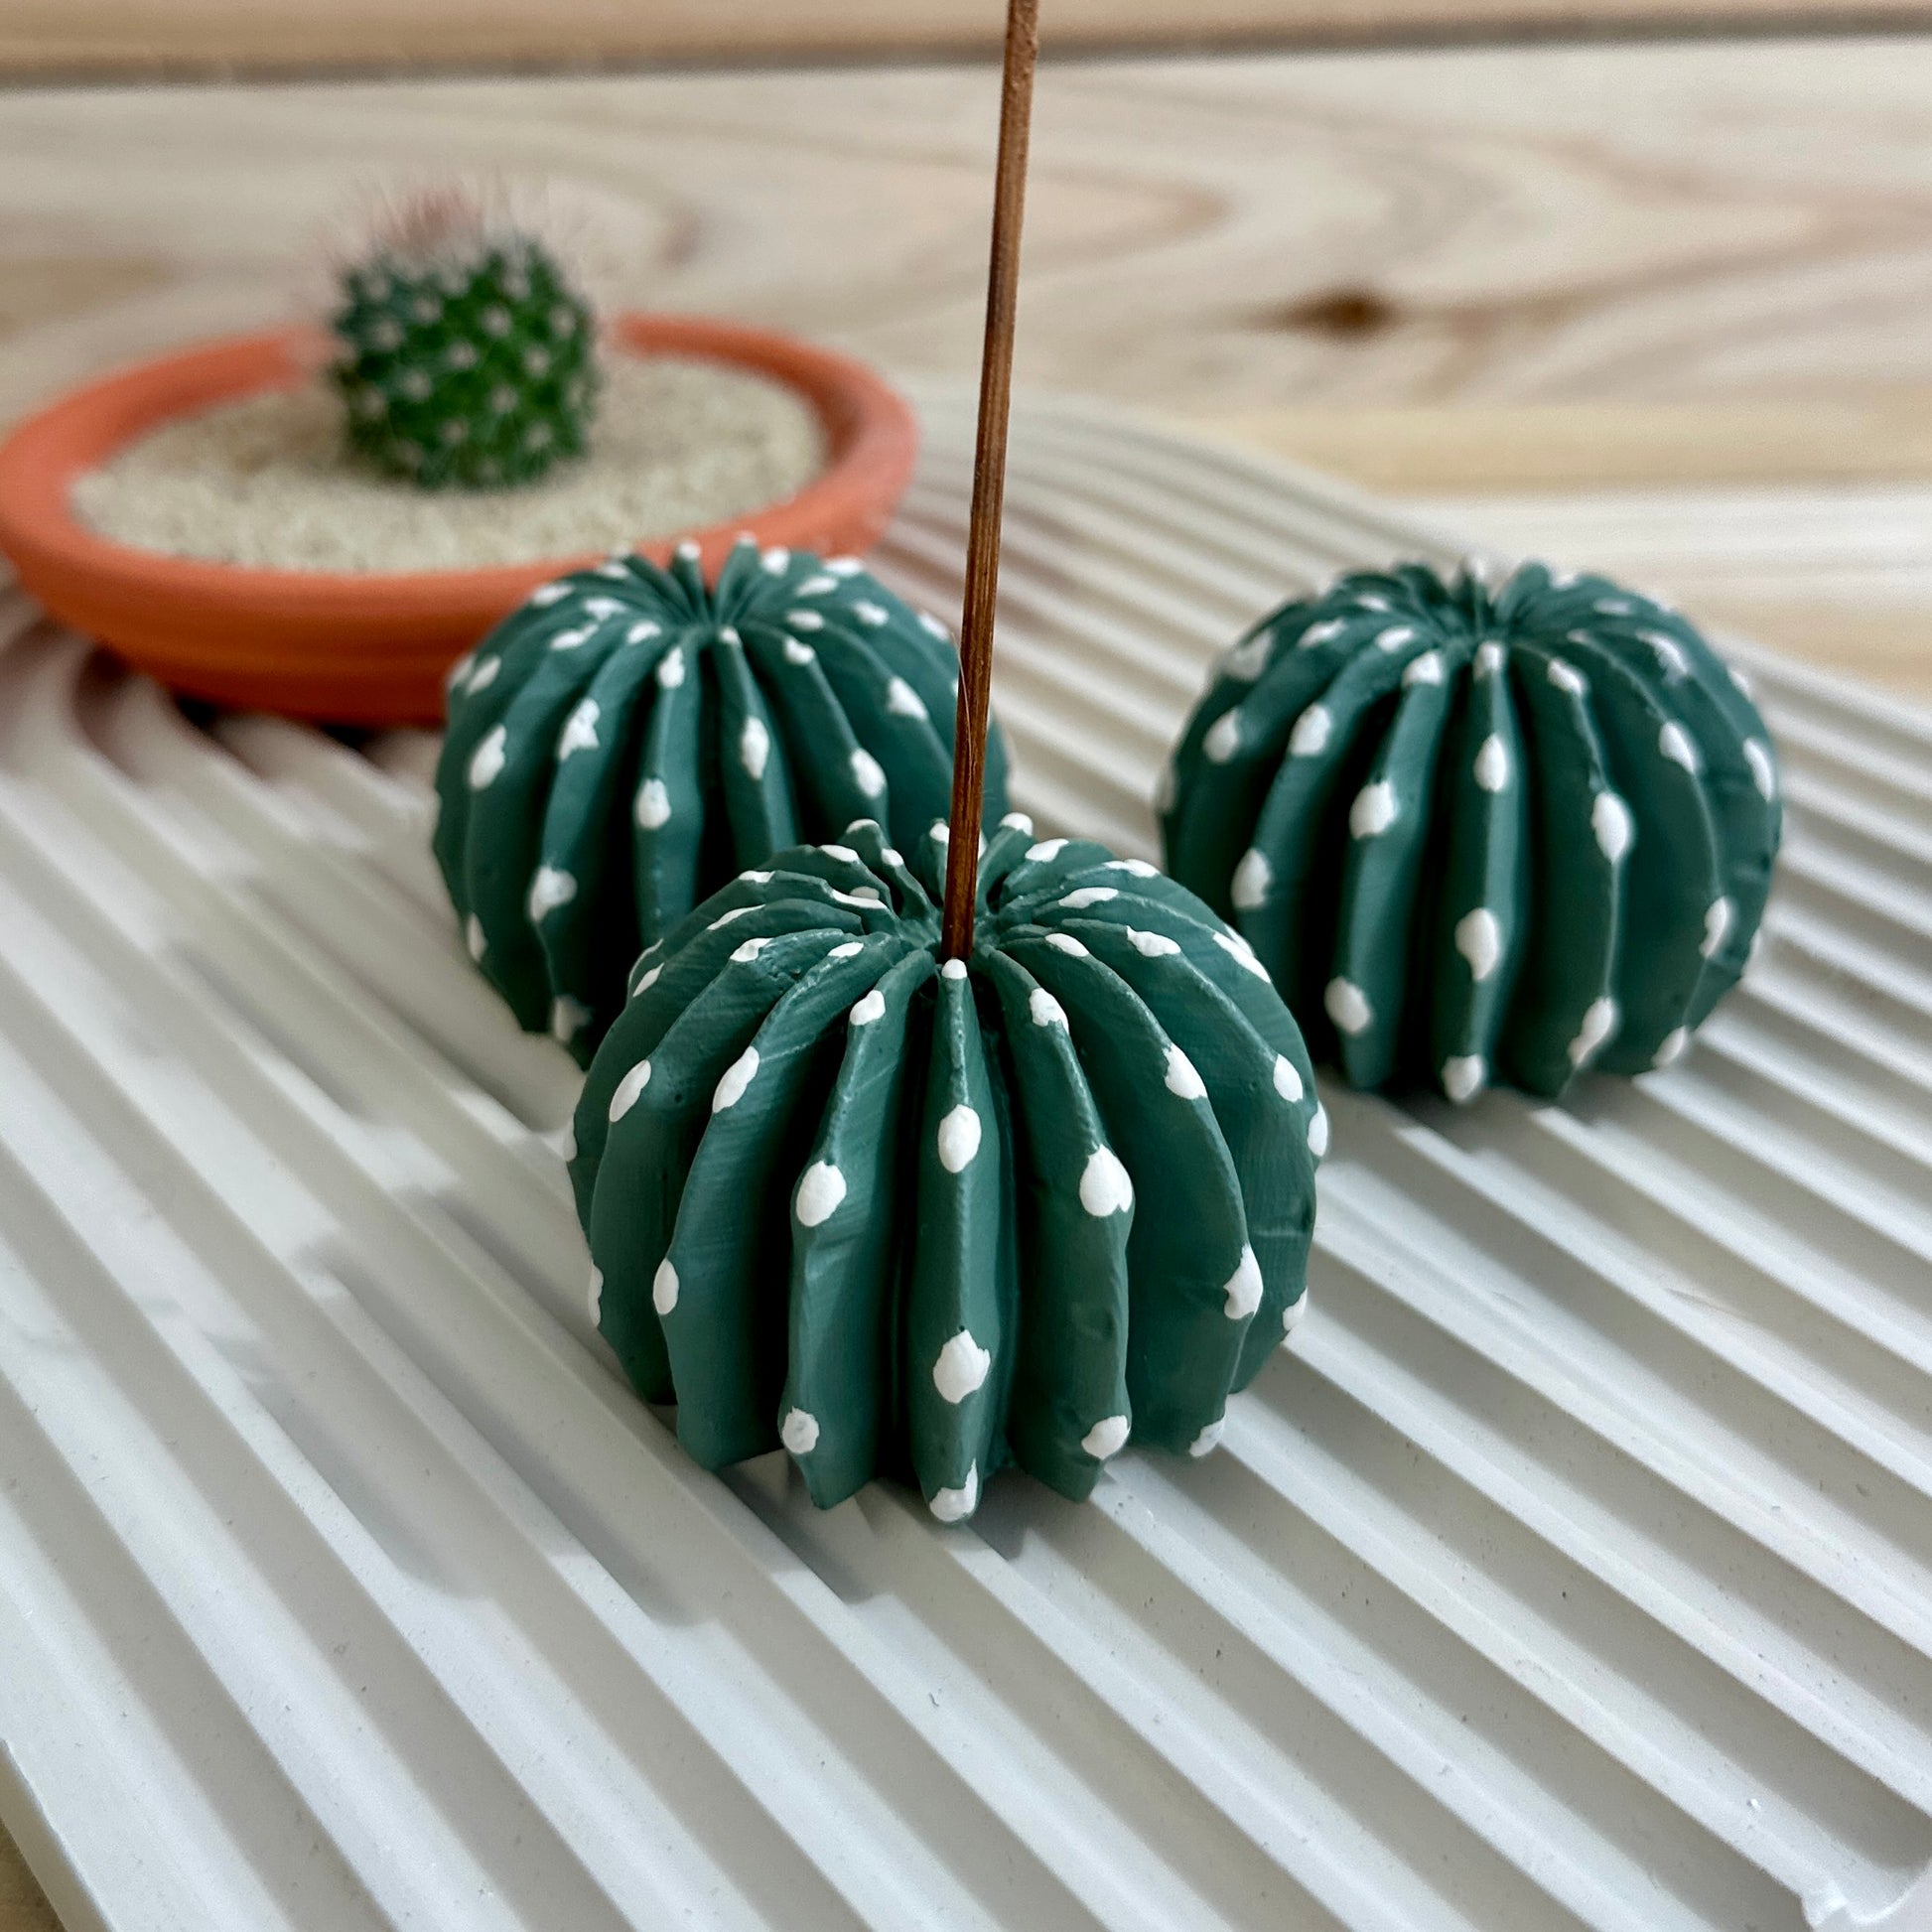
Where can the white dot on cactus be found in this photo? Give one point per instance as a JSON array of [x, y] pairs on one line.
[[548, 594], [1492, 765], [824, 585], [953, 969], [752, 877], [1045, 851], [567, 1018], [646, 981], [1310, 733], [1671, 1048], [1319, 1132], [663, 1286], [870, 614], [843, 854], [753, 747], [537, 361], [475, 939], [902, 700], [961, 1366], [929, 622], [370, 402], [550, 888], [1675, 744], [1045, 1010], [732, 1083], [495, 320], [488, 468], [1463, 1076], [867, 773], [797, 653], [800, 1432], [742, 955], [869, 1008], [1489, 658], [563, 323], [1395, 638], [1252, 878], [580, 730], [776, 562], [1426, 670], [1223, 738], [1248, 659], [1670, 654], [624, 1096], [845, 566], [1716, 926], [955, 1505], [642, 631], [670, 668], [891, 854], [1324, 633], [1182, 1077], [1598, 1024], [1152, 945], [1609, 819], [804, 619], [1139, 868], [1243, 954], [502, 399], [1067, 943], [1479, 939], [1243, 1289], [487, 759], [455, 431], [1082, 896], [653, 804], [425, 307], [1566, 677], [414, 384], [597, 1297], [1288, 1078], [1108, 1437], [1210, 1437], [958, 1139], [1373, 811], [1347, 1006], [1105, 1185], [384, 333], [1292, 1314], [1612, 607], [687, 552], [730, 914], [460, 356], [538, 436], [1757, 754], [820, 1190]]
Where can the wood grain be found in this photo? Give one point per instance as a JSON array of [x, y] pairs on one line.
[[227, 36]]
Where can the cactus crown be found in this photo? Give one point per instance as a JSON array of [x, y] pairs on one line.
[[465, 357]]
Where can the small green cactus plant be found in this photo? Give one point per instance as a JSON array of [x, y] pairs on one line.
[[465, 359]]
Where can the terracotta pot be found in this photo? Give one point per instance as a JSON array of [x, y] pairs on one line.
[[370, 649]]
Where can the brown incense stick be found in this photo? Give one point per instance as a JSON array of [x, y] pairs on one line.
[[989, 484]]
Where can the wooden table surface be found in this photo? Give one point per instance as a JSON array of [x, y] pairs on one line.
[[1662, 308]]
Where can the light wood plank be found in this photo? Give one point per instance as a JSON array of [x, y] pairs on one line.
[[122, 36]]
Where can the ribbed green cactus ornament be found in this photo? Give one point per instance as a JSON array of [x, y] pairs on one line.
[[466, 357]]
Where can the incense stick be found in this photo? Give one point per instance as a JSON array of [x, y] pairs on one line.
[[989, 484]]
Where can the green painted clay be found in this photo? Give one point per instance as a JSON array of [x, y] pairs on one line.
[[920, 1220], [632, 737], [1481, 833]]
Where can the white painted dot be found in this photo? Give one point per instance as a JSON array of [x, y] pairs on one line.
[[797, 653], [866, 773], [800, 1432], [735, 1079], [1108, 1437], [1463, 1076], [928, 621], [1292, 1314], [1324, 633], [820, 1190], [1210, 1437], [1045, 1010], [1045, 851], [1426, 670], [488, 758], [642, 631], [1243, 954], [688, 552], [1347, 1006], [753, 747], [1105, 1185], [820, 585], [1675, 744], [1017, 822], [804, 621], [572, 639], [872, 1007], [753, 877], [1139, 868], [625, 1095], [474, 938], [850, 950], [597, 1297], [1599, 1023], [1223, 738], [730, 914], [955, 1505], [1718, 916], [1248, 659], [653, 804], [1082, 896], [1310, 733], [567, 1140], [670, 668], [749, 951], [1067, 943], [1757, 754], [1252, 878], [1491, 658], [1609, 819], [845, 567], [859, 895], [580, 730], [961, 1367], [1669, 653], [547, 593], [567, 1018], [903, 701], [1613, 606], [663, 1286], [1288, 1078], [940, 832], [873, 615], [1671, 1049], [1152, 945], [453, 677], [1393, 639], [776, 561], [953, 969], [1566, 677], [1243, 1287], [1739, 681], [1479, 939], [483, 676], [1182, 1077], [648, 980], [1319, 1132], [550, 888], [1492, 763], [1373, 811], [892, 856], [958, 1139]]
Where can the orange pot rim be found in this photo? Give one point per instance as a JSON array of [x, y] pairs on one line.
[[870, 427]]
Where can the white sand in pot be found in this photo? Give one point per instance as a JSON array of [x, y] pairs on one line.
[[677, 444]]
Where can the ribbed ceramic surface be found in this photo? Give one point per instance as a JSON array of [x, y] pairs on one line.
[[1574, 1568]]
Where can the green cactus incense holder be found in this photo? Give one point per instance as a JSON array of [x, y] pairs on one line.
[[467, 358], [1506, 832], [632, 737], [915, 1214]]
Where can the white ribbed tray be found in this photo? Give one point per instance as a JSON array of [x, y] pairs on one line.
[[1574, 1568]]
